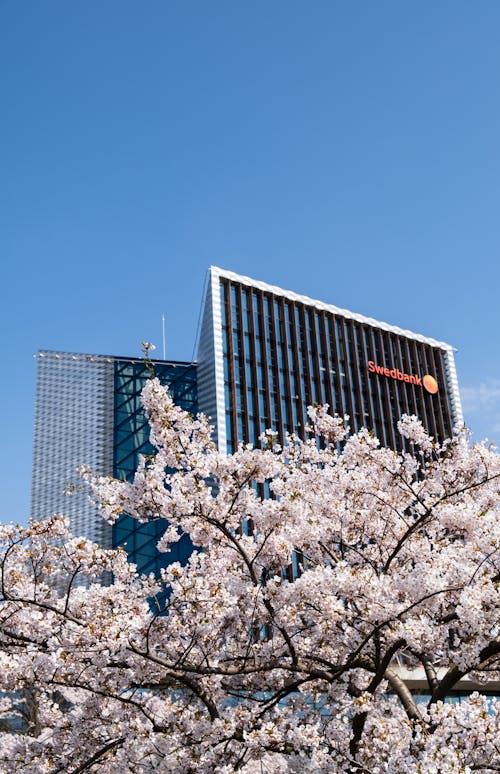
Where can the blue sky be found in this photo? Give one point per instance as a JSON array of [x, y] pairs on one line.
[[345, 150]]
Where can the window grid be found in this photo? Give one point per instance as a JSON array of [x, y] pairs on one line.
[[281, 355]]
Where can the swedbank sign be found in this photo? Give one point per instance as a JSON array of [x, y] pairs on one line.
[[427, 381]]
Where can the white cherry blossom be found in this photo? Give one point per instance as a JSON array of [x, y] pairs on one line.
[[295, 636]]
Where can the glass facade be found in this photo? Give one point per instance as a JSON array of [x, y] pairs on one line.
[[264, 355], [89, 412], [131, 439], [281, 355]]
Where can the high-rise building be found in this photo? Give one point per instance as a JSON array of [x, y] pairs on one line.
[[88, 412], [264, 355]]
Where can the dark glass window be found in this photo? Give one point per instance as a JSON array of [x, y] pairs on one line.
[[131, 439]]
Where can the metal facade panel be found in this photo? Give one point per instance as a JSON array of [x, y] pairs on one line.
[[73, 427], [210, 362]]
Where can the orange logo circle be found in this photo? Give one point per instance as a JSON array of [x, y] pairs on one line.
[[430, 384]]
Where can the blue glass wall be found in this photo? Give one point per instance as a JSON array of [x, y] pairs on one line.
[[131, 439]]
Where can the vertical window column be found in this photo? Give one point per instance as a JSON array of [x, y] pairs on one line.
[[344, 371], [299, 394], [275, 368], [287, 377], [230, 383], [266, 382]]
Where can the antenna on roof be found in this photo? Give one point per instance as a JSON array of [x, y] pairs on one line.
[[163, 334]]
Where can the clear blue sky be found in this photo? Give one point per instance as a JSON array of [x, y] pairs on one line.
[[345, 150]]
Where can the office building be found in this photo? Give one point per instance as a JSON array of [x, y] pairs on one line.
[[88, 412], [264, 355]]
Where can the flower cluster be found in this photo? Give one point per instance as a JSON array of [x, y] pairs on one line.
[[293, 638]]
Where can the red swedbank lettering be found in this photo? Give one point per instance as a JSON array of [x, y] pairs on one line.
[[394, 373]]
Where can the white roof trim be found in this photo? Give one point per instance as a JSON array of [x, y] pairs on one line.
[[230, 275]]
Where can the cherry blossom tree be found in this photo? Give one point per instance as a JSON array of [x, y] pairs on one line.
[[295, 636]]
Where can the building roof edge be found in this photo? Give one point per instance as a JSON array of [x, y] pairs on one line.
[[244, 280], [61, 354]]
